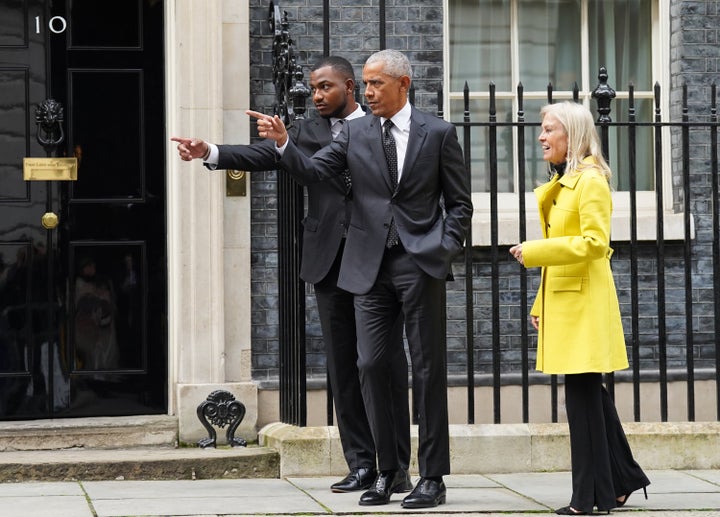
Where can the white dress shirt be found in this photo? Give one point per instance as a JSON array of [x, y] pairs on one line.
[[401, 133]]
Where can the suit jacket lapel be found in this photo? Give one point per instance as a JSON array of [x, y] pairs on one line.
[[321, 131], [415, 143], [323, 136]]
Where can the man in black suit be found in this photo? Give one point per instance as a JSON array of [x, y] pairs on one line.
[[332, 81], [411, 211]]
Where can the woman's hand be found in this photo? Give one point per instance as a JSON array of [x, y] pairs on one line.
[[516, 251]]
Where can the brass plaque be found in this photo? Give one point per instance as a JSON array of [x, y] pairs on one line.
[[235, 183], [45, 169]]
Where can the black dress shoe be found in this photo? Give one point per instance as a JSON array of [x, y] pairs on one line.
[[358, 479], [387, 483], [428, 493]]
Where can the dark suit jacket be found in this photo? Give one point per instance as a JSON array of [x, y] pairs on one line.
[[327, 202], [433, 168]]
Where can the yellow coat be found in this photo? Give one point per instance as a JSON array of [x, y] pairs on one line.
[[580, 328]]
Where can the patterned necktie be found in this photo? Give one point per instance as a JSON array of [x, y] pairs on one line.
[[335, 129], [391, 157]]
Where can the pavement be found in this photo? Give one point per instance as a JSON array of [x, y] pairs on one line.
[[676, 493]]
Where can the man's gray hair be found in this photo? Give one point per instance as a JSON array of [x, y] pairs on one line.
[[396, 64]]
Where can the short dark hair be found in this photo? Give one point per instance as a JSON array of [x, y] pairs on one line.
[[337, 63]]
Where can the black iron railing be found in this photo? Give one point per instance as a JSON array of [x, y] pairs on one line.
[[695, 191], [665, 286]]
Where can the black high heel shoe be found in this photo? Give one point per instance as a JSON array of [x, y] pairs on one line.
[[569, 510], [627, 496]]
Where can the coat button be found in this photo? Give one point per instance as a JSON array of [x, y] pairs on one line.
[[554, 202]]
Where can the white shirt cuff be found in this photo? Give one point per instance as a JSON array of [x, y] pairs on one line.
[[213, 157]]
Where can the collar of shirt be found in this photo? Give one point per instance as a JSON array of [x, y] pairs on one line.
[[333, 120], [359, 112], [401, 133], [355, 114]]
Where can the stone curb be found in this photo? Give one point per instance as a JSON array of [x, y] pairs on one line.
[[504, 448]]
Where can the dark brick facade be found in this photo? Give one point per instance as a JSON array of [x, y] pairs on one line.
[[415, 27]]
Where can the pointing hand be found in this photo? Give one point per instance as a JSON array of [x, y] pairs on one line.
[[270, 127], [190, 148]]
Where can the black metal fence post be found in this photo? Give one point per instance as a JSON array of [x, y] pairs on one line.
[[715, 202], [634, 284], [494, 256], [604, 95], [290, 95], [522, 231], [687, 266], [660, 258], [468, 257]]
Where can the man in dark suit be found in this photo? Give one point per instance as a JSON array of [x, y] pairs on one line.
[[411, 212], [332, 81]]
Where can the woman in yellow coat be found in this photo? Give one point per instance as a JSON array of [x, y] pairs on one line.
[[576, 311]]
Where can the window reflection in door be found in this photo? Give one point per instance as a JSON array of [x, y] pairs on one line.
[[31, 362], [96, 344], [108, 307]]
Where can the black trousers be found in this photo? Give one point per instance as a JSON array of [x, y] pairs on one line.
[[403, 288], [603, 467], [337, 319]]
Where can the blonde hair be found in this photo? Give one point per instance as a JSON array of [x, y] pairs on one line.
[[583, 138]]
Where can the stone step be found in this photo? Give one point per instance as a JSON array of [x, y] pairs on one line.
[[138, 448], [154, 463], [89, 433]]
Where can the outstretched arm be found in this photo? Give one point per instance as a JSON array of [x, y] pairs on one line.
[[268, 127]]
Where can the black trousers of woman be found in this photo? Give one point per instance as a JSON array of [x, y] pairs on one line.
[[603, 467]]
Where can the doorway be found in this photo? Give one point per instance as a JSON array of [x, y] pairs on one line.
[[83, 304]]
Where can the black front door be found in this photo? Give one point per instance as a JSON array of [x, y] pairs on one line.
[[83, 304]]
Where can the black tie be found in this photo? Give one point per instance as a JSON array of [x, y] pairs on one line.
[[392, 163]]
